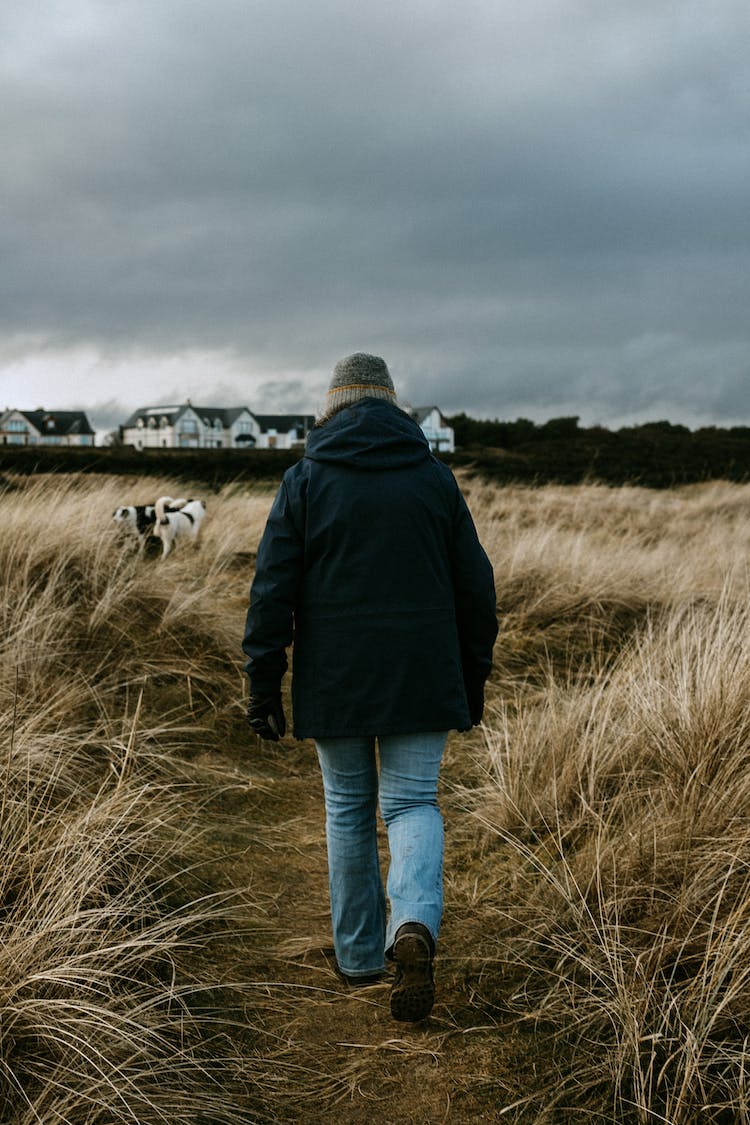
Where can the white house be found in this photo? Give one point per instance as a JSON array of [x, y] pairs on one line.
[[439, 434], [45, 427], [283, 431], [209, 427], [191, 427]]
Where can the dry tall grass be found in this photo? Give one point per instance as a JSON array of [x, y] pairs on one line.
[[620, 745], [613, 867], [98, 1021]]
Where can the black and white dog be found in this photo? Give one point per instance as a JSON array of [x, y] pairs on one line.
[[139, 520], [177, 519]]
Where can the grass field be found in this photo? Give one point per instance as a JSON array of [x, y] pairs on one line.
[[165, 946]]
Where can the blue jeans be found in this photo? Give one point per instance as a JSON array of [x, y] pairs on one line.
[[409, 767]]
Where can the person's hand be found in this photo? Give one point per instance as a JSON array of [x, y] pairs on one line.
[[265, 714], [475, 699]]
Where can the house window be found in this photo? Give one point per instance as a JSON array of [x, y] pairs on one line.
[[17, 432], [188, 433]]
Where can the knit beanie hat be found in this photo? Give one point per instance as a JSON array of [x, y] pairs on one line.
[[359, 376]]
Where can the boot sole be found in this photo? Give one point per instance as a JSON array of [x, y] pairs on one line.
[[413, 993]]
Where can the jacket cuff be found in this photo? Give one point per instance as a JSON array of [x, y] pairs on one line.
[[264, 688]]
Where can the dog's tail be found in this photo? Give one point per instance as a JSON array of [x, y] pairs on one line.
[[163, 504]]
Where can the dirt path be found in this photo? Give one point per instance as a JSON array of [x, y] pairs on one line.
[[318, 1051]]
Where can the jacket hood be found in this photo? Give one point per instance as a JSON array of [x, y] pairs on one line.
[[370, 434]]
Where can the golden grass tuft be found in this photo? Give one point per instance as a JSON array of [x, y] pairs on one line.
[[622, 799], [99, 1020]]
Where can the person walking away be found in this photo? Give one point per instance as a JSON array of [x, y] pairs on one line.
[[370, 563]]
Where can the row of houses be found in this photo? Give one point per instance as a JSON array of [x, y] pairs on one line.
[[210, 427], [186, 426]]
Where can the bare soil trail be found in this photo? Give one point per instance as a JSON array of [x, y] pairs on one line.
[[322, 1052]]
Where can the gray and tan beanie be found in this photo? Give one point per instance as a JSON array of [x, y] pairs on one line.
[[359, 376]]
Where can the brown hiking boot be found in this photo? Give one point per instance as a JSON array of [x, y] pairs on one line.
[[413, 991]]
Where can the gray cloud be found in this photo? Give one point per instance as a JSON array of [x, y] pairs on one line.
[[528, 209]]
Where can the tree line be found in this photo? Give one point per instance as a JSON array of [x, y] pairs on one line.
[[654, 454]]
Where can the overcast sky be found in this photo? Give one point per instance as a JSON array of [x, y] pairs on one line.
[[528, 208]]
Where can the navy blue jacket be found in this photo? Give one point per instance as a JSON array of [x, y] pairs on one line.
[[371, 565]]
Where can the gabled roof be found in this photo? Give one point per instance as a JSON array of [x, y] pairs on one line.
[[232, 414], [225, 414], [59, 423], [419, 413], [283, 423], [171, 413], [209, 414]]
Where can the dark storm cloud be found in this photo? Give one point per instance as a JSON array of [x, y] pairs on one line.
[[527, 211]]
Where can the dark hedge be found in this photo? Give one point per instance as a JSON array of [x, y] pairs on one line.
[[209, 467], [656, 454]]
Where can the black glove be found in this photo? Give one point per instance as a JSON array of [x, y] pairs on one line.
[[265, 714], [475, 698]]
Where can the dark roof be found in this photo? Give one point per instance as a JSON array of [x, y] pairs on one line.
[[419, 413], [233, 413], [226, 415], [283, 423], [146, 412], [59, 422]]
